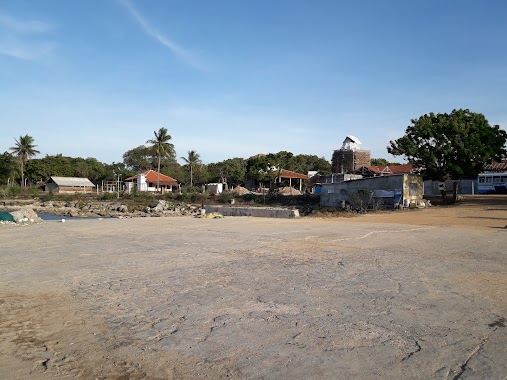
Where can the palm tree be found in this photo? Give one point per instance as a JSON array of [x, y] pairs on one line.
[[161, 147], [192, 160], [24, 150]]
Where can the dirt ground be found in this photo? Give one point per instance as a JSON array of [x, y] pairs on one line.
[[417, 294]]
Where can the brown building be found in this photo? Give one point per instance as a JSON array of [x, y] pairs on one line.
[[350, 157]]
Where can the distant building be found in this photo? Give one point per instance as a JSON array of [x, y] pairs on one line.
[[148, 181], [350, 157], [64, 185], [373, 171], [390, 191]]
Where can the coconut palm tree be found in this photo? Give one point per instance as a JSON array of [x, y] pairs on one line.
[[192, 160], [161, 147], [24, 150]]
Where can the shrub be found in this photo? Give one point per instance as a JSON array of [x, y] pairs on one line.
[[4, 191], [34, 191], [107, 196], [14, 190], [48, 196], [226, 197]]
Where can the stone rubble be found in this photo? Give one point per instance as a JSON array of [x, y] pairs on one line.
[[161, 208]]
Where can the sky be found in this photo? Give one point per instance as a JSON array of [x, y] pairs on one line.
[[234, 78]]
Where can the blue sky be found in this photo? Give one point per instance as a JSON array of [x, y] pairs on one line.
[[233, 78]]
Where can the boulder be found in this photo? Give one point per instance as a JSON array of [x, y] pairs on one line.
[[25, 214]]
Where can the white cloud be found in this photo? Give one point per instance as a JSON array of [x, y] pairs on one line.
[[23, 26], [20, 39], [182, 54], [25, 50]]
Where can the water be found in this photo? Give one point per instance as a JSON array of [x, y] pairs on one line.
[[60, 217]]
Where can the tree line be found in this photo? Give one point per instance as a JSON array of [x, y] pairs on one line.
[[443, 146], [19, 167]]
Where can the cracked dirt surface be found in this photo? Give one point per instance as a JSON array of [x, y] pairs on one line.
[[249, 298]]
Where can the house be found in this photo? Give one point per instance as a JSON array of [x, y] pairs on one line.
[[148, 181], [390, 191], [372, 171], [69, 185]]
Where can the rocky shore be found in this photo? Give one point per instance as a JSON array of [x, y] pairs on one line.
[[159, 208]]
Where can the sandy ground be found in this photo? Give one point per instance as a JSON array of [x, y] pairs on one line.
[[415, 294]]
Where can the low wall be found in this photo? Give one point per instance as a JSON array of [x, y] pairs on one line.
[[465, 186], [264, 212]]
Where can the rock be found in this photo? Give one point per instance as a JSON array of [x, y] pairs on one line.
[[161, 206], [25, 214], [73, 212], [123, 208]]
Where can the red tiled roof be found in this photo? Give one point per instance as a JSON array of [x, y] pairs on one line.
[[392, 169], [374, 169], [152, 176], [288, 174], [496, 166], [401, 169]]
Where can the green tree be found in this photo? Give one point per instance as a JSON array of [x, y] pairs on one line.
[[162, 147], [379, 162], [139, 159], [260, 168], [451, 146], [192, 160], [303, 163], [7, 167], [24, 150], [231, 171], [43, 168]]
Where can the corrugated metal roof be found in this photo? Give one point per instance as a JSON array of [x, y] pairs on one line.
[[72, 181]]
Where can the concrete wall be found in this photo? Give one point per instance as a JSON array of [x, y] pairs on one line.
[[264, 212], [389, 190], [465, 186]]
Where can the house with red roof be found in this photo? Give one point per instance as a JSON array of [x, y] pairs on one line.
[[374, 171], [151, 181]]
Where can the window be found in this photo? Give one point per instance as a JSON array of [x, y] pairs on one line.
[[413, 189], [481, 179], [496, 179], [489, 179]]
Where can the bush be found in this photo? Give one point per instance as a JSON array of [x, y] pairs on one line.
[[34, 191], [4, 191], [108, 196], [226, 197], [48, 196], [14, 190]]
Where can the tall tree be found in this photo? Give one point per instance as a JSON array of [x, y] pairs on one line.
[[451, 146], [193, 159], [24, 150], [162, 147], [231, 171]]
